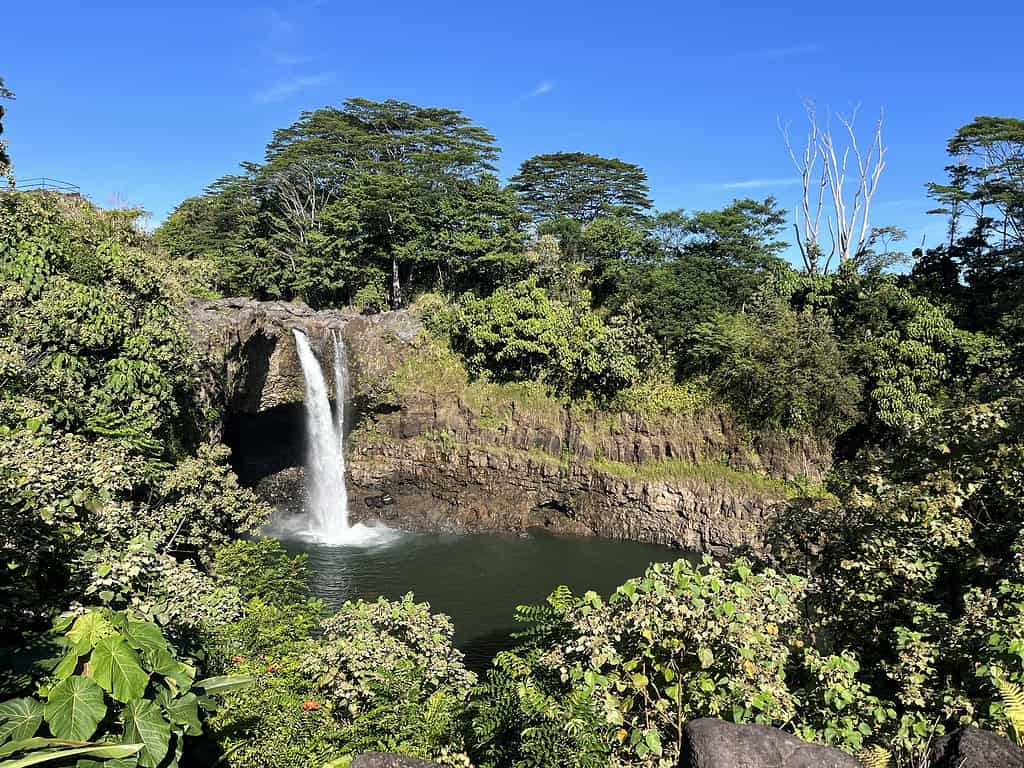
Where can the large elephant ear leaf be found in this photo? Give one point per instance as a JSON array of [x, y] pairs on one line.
[[183, 711], [20, 719], [89, 629], [145, 637], [116, 667], [144, 723], [74, 709]]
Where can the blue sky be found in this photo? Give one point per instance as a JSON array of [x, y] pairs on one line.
[[146, 103]]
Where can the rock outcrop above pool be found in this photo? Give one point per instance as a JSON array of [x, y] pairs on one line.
[[248, 357], [429, 450]]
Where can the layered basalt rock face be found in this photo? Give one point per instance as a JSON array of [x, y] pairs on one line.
[[426, 455], [696, 482]]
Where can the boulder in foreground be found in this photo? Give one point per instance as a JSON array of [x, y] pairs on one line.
[[709, 743], [974, 748]]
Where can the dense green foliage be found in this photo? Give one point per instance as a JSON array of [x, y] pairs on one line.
[[886, 611], [521, 333], [107, 491], [779, 367], [623, 676]]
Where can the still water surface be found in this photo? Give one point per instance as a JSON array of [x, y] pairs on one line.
[[477, 580]]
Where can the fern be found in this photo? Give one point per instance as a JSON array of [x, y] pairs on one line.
[[1013, 707], [561, 599], [512, 664], [875, 757]]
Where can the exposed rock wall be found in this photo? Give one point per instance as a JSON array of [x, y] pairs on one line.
[[604, 476], [472, 489], [248, 358], [432, 457]]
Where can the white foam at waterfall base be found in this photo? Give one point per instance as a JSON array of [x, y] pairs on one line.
[[325, 515]]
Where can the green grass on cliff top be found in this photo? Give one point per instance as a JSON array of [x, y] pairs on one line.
[[434, 369], [712, 474]]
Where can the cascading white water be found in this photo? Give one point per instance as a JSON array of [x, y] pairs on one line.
[[326, 496], [340, 387]]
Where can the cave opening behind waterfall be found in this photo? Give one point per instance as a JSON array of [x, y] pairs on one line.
[[265, 443]]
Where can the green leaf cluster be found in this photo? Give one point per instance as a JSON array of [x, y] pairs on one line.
[[619, 678], [118, 682]]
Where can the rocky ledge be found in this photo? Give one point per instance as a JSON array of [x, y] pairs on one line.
[[693, 484], [248, 356]]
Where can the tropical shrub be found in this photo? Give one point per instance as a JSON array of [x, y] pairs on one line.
[[385, 658], [778, 368], [620, 678], [118, 682], [379, 676], [521, 333], [910, 359], [201, 506], [176, 594], [277, 614], [263, 568], [280, 721]]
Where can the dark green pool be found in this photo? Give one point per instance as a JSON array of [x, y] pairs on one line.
[[477, 580]]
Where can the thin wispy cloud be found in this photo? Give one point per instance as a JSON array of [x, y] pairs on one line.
[[279, 26], [293, 61], [784, 52], [282, 90], [545, 86], [757, 183]]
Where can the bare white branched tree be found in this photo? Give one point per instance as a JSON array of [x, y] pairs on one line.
[[839, 180], [6, 167], [302, 190]]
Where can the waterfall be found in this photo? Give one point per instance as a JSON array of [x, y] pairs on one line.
[[326, 508], [340, 388], [326, 497]]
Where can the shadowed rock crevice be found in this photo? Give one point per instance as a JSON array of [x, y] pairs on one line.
[[254, 370], [265, 443]]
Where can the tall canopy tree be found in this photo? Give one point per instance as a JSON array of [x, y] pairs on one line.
[[365, 193], [398, 161], [579, 186], [986, 180], [983, 198]]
